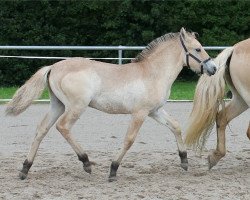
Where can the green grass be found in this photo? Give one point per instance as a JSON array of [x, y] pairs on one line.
[[8, 92], [181, 90]]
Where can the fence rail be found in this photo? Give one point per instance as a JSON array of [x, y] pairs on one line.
[[120, 50]]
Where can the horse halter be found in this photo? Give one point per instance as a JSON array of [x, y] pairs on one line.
[[193, 56]]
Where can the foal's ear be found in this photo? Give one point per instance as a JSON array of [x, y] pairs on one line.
[[195, 34], [183, 33]]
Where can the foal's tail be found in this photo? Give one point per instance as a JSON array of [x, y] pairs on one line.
[[30, 91], [208, 97]]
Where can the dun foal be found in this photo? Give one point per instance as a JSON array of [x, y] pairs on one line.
[[140, 88]]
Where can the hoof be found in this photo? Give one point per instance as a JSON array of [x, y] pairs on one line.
[[24, 172], [22, 175], [211, 162], [184, 166], [184, 160], [112, 178], [87, 169], [86, 163], [113, 169]]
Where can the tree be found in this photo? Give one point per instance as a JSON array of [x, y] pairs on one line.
[[105, 22]]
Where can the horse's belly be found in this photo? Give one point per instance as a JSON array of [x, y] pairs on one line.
[[109, 106], [122, 100]]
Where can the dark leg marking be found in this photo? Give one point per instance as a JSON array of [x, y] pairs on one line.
[[24, 172], [184, 160], [113, 169], [86, 164]]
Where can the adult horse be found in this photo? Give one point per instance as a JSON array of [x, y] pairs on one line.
[[140, 88], [234, 68]]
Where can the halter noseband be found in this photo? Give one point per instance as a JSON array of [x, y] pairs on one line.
[[191, 55]]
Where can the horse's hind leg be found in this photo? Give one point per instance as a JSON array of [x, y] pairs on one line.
[[164, 118], [248, 131], [232, 110], [64, 124], [56, 109], [137, 121]]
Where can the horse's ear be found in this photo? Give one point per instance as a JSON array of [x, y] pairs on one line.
[[183, 33], [195, 34]]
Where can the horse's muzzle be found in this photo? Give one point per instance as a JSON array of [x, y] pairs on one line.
[[209, 67]]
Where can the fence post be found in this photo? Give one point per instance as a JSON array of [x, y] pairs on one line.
[[120, 55]]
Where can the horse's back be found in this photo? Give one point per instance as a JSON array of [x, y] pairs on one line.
[[240, 69]]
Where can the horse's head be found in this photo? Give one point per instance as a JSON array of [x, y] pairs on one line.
[[194, 55]]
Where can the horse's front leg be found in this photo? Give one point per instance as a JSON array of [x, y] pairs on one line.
[[133, 129], [232, 110], [164, 118]]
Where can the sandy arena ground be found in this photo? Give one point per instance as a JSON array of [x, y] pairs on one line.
[[150, 170]]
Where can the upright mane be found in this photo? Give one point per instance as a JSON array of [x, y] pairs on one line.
[[152, 45]]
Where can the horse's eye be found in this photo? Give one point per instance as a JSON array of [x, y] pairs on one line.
[[198, 50]]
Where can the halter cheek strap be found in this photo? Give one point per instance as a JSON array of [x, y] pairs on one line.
[[204, 62], [192, 56]]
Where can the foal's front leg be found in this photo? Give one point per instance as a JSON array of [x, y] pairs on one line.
[[137, 121], [164, 118]]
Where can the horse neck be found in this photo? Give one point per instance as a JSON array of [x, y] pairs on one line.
[[166, 62]]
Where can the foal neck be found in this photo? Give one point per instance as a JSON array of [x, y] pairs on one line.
[[167, 60]]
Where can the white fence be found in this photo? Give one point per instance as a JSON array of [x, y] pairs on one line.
[[119, 57]]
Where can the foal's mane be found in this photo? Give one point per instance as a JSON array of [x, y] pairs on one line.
[[152, 45]]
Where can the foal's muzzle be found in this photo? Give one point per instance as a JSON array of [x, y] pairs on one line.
[[209, 67]]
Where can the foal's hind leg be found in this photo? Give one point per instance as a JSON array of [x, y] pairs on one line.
[[64, 124], [232, 110], [248, 131], [164, 118], [137, 121], [56, 109]]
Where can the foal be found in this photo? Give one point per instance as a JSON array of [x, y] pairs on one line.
[[140, 88]]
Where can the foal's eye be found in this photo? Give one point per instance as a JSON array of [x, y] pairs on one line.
[[198, 50]]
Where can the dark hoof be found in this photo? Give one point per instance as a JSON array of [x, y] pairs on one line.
[[112, 178], [184, 160], [86, 163], [211, 161], [24, 172], [22, 175], [184, 166], [87, 169]]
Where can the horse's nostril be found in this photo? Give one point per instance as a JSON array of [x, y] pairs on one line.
[[212, 71]]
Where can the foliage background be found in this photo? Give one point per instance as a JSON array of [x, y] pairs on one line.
[[105, 22]]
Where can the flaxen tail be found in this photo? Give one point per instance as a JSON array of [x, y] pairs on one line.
[[208, 98], [30, 91]]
